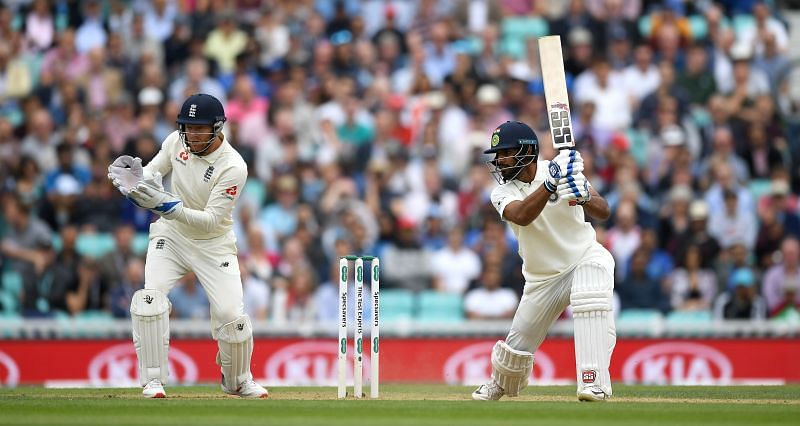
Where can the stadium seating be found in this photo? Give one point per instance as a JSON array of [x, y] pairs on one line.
[[437, 306], [396, 305]]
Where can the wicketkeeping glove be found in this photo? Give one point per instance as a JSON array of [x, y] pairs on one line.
[[150, 194], [125, 173], [575, 188], [567, 163]]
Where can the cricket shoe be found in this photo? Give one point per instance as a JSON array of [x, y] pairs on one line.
[[247, 389], [488, 392], [154, 389], [592, 394]]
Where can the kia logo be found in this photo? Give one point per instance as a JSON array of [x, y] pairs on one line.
[[678, 363], [472, 365], [117, 366], [309, 363], [9, 371]]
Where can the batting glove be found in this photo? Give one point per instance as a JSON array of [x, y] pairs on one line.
[[150, 194], [125, 173], [575, 188], [567, 163]]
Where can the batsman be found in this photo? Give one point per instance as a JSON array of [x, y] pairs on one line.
[[194, 233], [545, 204]]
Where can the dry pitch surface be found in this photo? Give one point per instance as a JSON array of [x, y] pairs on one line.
[[405, 404]]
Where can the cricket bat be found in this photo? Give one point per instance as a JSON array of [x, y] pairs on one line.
[[555, 92]]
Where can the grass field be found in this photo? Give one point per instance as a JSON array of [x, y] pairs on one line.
[[404, 405]]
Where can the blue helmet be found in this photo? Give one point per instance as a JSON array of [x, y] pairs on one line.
[[201, 109], [512, 135]]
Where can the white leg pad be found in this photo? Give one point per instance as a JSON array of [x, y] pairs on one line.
[[595, 332], [150, 317], [235, 340], [511, 368]]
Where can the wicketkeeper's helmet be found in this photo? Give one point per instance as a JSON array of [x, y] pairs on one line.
[[201, 109]]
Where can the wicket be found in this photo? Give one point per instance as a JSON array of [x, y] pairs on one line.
[[358, 362]]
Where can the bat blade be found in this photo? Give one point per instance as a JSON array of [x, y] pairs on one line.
[[555, 92]]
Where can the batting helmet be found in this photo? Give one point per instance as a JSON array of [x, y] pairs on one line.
[[513, 135]]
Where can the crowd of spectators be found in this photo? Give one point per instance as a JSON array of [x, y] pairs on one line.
[[362, 124]]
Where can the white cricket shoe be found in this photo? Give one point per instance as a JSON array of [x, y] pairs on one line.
[[490, 391], [154, 389], [248, 389], [592, 394]]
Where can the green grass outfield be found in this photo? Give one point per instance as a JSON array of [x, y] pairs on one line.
[[405, 405]]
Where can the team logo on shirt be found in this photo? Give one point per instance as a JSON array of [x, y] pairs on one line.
[[208, 173], [183, 156], [232, 190]]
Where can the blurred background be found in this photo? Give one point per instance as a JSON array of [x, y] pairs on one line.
[[362, 124]]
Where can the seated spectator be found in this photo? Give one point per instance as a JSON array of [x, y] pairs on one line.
[[60, 208], [741, 301], [781, 281], [455, 265], [256, 294], [698, 235], [26, 246], [640, 291], [189, 300], [692, 287], [89, 294], [131, 281], [301, 304], [731, 225], [624, 237], [490, 300], [406, 264], [61, 276], [114, 263]]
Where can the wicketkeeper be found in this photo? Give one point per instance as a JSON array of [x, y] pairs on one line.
[[193, 234], [544, 203]]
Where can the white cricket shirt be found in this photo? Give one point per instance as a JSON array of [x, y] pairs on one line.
[[556, 240], [208, 186]]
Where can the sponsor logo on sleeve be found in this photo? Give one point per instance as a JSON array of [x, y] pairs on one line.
[[232, 191]]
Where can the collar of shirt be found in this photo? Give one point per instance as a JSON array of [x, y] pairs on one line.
[[211, 158]]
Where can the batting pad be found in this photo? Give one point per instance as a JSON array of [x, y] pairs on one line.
[[595, 333], [511, 368], [150, 317], [235, 340]]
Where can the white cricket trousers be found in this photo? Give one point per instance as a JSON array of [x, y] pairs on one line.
[[170, 256], [543, 302]]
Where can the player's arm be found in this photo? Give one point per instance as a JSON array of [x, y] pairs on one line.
[[220, 202], [597, 206], [523, 212]]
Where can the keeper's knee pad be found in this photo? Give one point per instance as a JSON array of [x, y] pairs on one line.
[[150, 317], [511, 368], [235, 341]]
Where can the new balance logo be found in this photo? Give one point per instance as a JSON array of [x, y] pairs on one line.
[[240, 327], [193, 110], [224, 264], [148, 299], [160, 244]]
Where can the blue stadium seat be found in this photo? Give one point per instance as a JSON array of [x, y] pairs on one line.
[[437, 306], [396, 305], [639, 322], [95, 245], [255, 192], [11, 282], [139, 244]]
